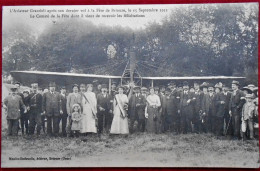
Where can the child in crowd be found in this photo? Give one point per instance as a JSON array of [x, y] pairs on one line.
[[247, 116], [76, 117]]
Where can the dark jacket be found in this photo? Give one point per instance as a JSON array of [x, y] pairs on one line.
[[104, 102], [51, 104], [134, 111], [208, 104], [220, 108], [236, 103], [169, 105], [35, 101], [63, 104], [198, 101], [184, 106]]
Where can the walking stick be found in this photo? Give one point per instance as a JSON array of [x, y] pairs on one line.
[[228, 125]]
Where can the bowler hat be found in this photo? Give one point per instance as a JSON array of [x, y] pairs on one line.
[[52, 84], [235, 82], [75, 85]]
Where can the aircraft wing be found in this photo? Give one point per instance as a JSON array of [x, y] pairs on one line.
[[193, 78], [66, 79]]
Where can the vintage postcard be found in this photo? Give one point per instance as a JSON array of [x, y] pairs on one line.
[[130, 86]]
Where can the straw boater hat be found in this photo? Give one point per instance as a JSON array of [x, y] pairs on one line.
[[144, 89]]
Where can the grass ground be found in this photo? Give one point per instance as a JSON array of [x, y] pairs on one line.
[[137, 150]]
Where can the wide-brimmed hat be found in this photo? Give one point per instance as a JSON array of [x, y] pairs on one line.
[[251, 96]]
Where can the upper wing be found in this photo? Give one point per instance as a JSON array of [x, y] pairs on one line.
[[43, 78], [193, 78]]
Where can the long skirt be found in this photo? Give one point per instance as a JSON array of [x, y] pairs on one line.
[[119, 124], [88, 122], [153, 120]]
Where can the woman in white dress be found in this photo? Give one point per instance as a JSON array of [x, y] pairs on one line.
[[120, 121], [89, 114]]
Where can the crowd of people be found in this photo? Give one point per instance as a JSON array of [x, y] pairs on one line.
[[202, 108]]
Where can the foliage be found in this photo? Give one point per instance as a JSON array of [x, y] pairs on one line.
[[199, 40]]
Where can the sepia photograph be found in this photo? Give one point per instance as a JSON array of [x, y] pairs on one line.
[[163, 85]]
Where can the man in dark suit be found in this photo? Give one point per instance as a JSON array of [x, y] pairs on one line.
[[170, 112], [104, 109], [35, 104], [220, 111], [227, 118], [197, 107], [53, 110], [136, 109], [208, 107], [64, 115], [235, 108], [185, 108]]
